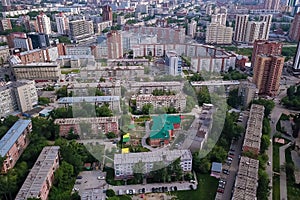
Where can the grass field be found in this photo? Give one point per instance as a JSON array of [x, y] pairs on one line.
[[206, 190], [276, 162], [276, 187]]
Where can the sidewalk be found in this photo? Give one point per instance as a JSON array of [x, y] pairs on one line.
[[283, 187]]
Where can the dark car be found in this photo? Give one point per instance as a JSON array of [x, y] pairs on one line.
[[153, 190], [79, 177], [175, 188], [225, 171], [143, 190], [220, 190]]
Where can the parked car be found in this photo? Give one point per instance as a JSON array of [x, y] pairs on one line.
[[79, 177], [220, 190], [226, 171]]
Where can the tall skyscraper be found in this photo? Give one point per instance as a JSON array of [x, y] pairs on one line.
[[241, 22], [267, 72], [192, 27], [43, 24], [271, 4], [114, 45], [266, 48], [249, 31], [219, 18], [62, 23], [294, 33], [297, 59], [107, 13]]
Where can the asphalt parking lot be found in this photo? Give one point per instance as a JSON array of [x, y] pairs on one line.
[[89, 186]]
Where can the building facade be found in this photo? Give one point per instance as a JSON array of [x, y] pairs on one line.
[[149, 87], [37, 71], [97, 125], [114, 45], [248, 92], [41, 177], [296, 66], [107, 13], [177, 101], [218, 34], [267, 72], [174, 63], [294, 33], [81, 31], [62, 24], [265, 47], [124, 163], [241, 22], [14, 142], [5, 24], [43, 24], [17, 96]]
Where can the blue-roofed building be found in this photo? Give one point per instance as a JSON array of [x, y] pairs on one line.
[[216, 169], [14, 142]]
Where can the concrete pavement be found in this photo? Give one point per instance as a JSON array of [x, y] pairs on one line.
[[283, 187]]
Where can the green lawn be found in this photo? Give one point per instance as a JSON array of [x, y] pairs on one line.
[[276, 187], [276, 162], [70, 71], [206, 190]]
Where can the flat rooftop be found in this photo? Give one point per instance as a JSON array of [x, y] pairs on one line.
[[38, 174], [254, 127], [155, 84], [154, 156], [91, 120], [12, 135], [89, 99], [246, 181]]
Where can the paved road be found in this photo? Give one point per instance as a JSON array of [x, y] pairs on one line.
[[235, 162], [283, 188]]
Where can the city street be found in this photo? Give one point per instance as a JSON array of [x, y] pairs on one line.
[[237, 146]]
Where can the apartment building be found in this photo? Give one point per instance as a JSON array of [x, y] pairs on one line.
[[107, 13], [14, 142], [114, 45], [177, 101], [248, 92], [4, 53], [62, 24], [265, 47], [97, 125], [203, 57], [204, 128], [294, 33], [254, 129], [116, 72], [112, 101], [245, 186], [241, 22], [218, 34], [41, 177], [192, 28], [107, 88], [75, 50], [76, 61], [249, 31], [5, 24], [149, 87], [174, 63], [17, 96], [43, 24], [164, 35], [100, 26], [81, 31], [296, 66], [37, 71], [124, 163], [267, 71]]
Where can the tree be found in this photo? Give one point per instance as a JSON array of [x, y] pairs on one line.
[[62, 92], [111, 135], [43, 100], [201, 165], [110, 193], [64, 39], [263, 189], [265, 143], [234, 100], [138, 171], [103, 111], [146, 108], [203, 96], [268, 104]]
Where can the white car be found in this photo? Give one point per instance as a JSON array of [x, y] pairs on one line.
[[100, 177]]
